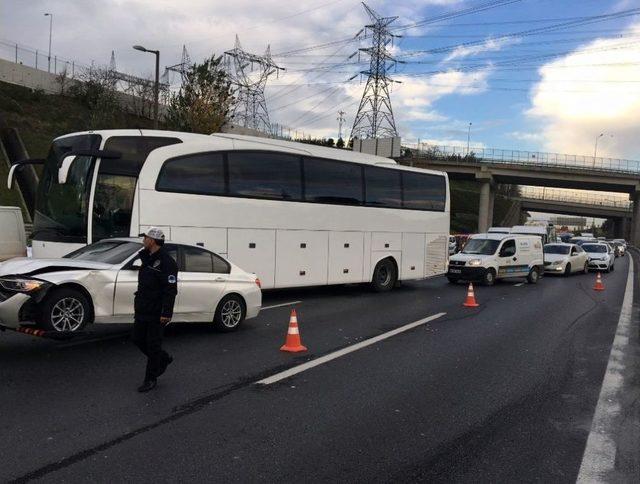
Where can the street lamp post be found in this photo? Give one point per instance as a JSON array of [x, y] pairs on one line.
[[595, 148], [468, 138], [50, 15], [156, 87]]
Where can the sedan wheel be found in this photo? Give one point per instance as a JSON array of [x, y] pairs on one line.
[[567, 270], [230, 313], [65, 310]]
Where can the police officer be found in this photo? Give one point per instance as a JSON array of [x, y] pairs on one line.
[[154, 299]]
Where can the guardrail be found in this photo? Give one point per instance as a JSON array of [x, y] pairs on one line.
[[555, 195], [460, 154]]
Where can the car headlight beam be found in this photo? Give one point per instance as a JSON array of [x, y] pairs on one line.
[[474, 262]]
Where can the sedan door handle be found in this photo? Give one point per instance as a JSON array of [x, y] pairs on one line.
[[515, 258], [220, 279]]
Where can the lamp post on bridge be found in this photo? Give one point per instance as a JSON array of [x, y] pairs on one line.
[[468, 138], [595, 148]]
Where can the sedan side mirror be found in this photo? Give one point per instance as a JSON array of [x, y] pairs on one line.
[[136, 264]]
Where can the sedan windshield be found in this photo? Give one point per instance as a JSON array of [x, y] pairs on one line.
[[107, 251], [595, 248], [481, 246], [556, 249]]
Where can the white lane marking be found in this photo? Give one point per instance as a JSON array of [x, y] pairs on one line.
[[281, 305], [344, 351], [519, 284], [599, 455]]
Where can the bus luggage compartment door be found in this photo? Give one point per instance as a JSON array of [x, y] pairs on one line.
[[301, 258], [254, 250]]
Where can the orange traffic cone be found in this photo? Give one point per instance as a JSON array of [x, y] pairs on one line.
[[599, 285], [470, 302], [293, 343]]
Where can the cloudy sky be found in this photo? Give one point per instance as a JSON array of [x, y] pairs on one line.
[[555, 86]]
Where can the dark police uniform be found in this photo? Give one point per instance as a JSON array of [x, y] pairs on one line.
[[156, 294]]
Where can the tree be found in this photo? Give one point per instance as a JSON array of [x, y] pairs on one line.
[[330, 142], [340, 143], [203, 103], [97, 91]]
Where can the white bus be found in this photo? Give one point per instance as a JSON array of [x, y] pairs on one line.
[[294, 214]]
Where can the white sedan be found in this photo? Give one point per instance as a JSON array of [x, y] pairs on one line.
[[601, 256], [97, 284], [565, 259]]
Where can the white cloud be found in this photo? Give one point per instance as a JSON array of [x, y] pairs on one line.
[[581, 96], [523, 136], [490, 45]]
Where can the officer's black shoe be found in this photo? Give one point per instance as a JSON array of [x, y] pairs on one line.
[[147, 385]]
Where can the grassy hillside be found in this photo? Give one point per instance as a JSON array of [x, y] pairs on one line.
[[41, 117]]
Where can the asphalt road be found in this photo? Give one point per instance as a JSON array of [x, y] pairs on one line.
[[505, 392]]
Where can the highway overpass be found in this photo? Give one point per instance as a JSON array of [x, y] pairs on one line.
[[540, 169]]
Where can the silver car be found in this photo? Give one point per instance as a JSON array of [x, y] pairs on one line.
[[97, 283]]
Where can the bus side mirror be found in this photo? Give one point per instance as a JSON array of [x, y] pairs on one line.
[[63, 171], [11, 176]]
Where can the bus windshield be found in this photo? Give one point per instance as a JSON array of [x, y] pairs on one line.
[[61, 210]]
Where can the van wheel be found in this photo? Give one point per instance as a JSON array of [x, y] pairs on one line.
[[567, 270], [489, 278], [385, 276], [230, 313], [585, 269], [65, 310], [613, 267], [533, 276]]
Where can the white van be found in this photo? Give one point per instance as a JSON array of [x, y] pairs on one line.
[[487, 257], [13, 241]]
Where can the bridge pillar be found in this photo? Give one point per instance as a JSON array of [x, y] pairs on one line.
[[635, 221], [485, 212], [626, 228]]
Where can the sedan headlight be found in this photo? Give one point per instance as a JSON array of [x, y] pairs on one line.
[[474, 262], [22, 285]]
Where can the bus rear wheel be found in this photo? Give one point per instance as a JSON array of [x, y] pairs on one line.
[[385, 276]]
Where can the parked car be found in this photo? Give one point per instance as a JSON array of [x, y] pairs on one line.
[[618, 248], [601, 257], [97, 283], [488, 257], [623, 242], [13, 241], [560, 258]]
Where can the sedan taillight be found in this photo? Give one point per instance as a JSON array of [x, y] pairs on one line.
[[258, 283]]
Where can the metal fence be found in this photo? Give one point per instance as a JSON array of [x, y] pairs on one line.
[[558, 195], [38, 59], [461, 154]]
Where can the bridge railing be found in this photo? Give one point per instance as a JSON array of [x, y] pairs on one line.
[[556, 195], [541, 159]]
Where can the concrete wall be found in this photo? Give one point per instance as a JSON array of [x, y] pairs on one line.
[[31, 78], [21, 75]]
